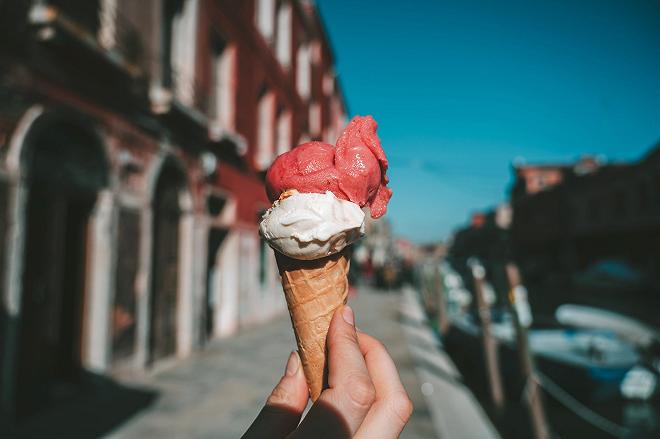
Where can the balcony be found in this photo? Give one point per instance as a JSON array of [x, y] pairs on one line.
[[185, 104], [95, 35], [181, 103]]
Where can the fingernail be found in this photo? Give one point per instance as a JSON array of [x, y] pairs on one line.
[[292, 364], [347, 314]]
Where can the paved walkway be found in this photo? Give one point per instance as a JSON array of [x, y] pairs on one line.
[[218, 392], [455, 411]]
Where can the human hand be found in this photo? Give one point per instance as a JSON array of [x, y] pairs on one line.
[[365, 398]]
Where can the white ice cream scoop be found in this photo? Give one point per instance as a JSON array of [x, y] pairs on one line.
[[310, 226]]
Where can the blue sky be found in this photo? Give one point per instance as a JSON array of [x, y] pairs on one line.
[[462, 88]]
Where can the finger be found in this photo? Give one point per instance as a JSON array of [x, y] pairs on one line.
[[392, 408], [285, 405], [380, 365], [351, 392]]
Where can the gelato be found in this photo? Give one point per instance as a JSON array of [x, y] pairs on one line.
[[354, 170], [310, 226]]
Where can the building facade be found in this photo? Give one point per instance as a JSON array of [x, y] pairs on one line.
[[134, 139], [588, 212]]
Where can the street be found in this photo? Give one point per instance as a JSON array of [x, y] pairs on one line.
[[218, 392]]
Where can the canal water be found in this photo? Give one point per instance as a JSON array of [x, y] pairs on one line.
[[608, 415]]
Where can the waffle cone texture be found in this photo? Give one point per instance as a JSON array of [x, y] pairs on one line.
[[313, 291]]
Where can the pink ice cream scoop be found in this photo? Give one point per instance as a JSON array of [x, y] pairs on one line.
[[354, 170]]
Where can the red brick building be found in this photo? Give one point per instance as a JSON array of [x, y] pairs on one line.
[[134, 136]]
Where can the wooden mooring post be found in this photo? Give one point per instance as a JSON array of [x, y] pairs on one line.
[[522, 318], [490, 344], [443, 318]]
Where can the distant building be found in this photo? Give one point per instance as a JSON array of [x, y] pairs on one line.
[[503, 216], [134, 136], [588, 211], [486, 238], [532, 179]]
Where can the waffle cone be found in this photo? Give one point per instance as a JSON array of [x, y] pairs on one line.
[[313, 290]]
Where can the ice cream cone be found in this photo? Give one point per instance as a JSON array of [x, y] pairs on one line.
[[314, 290]]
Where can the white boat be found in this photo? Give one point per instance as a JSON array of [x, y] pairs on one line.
[[591, 362], [629, 329], [586, 348]]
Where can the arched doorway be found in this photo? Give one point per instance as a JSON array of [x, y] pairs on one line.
[[164, 295], [64, 167], [213, 282]]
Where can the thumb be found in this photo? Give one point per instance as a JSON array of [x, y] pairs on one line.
[[285, 405]]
